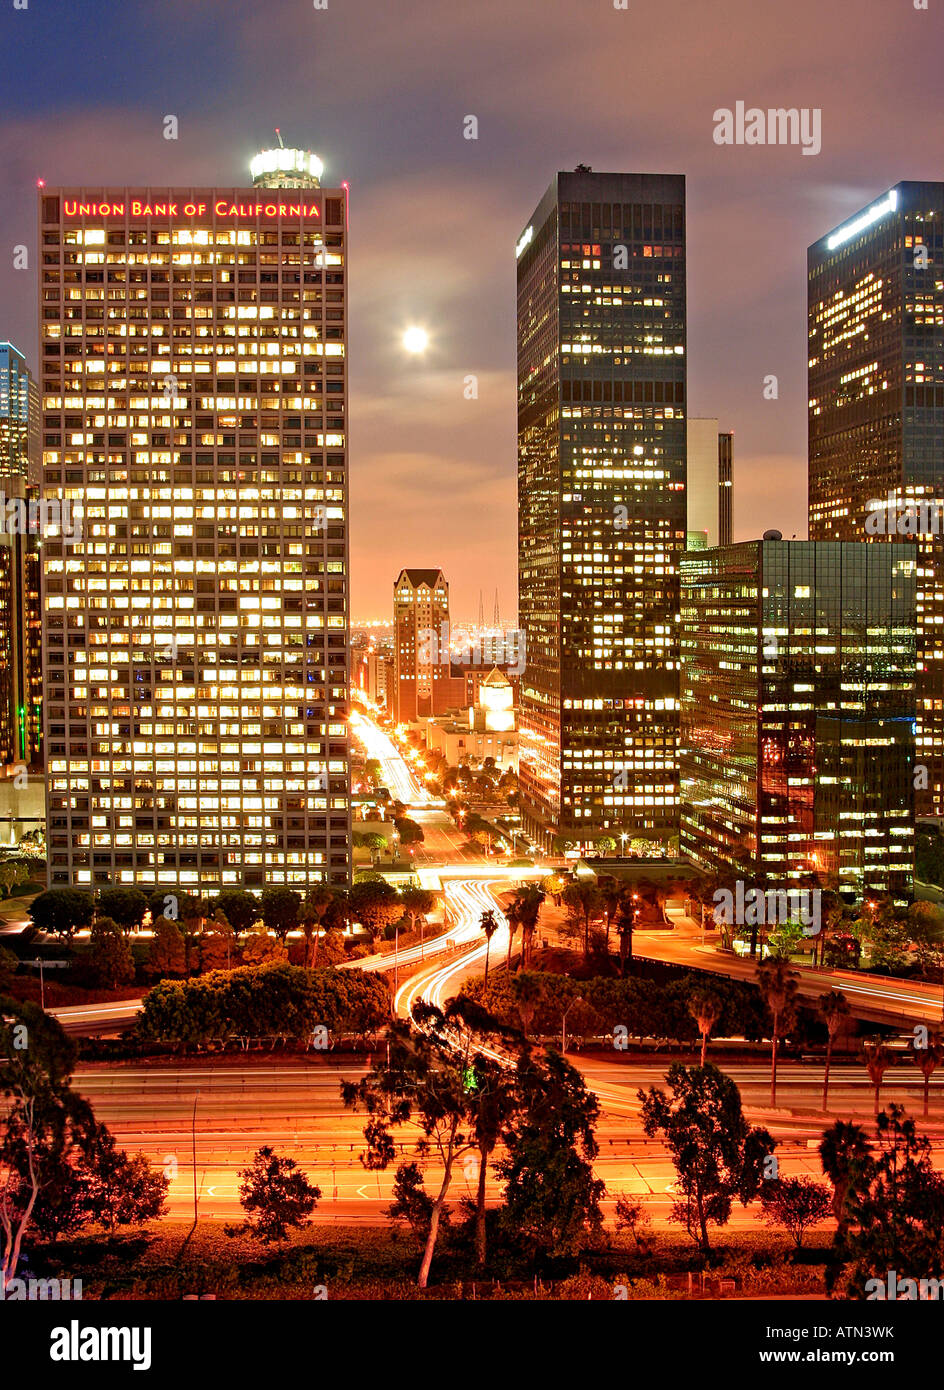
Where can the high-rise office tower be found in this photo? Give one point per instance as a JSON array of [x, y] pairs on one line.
[[422, 681], [196, 626], [725, 487], [19, 416], [20, 649], [798, 696], [709, 483], [601, 504], [876, 412]]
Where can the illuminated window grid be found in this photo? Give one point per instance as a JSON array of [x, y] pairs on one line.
[[219, 559]]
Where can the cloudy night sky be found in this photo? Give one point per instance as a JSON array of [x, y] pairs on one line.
[[379, 89]]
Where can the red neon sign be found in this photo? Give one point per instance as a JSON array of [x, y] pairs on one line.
[[221, 208]]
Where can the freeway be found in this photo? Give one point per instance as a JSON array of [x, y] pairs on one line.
[[295, 1106]]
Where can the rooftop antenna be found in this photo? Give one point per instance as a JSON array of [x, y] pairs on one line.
[[497, 618], [481, 611], [279, 134]]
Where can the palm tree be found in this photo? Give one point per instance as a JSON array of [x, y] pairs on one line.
[[705, 1008], [527, 989], [844, 1155], [778, 985], [834, 1008], [527, 901], [310, 915], [611, 891], [489, 924], [877, 1060], [625, 921], [513, 918], [927, 1059]]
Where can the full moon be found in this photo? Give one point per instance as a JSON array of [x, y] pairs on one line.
[[416, 339]]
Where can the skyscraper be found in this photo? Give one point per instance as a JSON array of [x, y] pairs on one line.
[[798, 685], [601, 504], [422, 681], [20, 617], [196, 628], [876, 412], [19, 416], [709, 482]]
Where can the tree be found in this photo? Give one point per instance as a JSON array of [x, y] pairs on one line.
[[167, 953], [10, 875], [417, 903], [376, 843], [527, 991], [260, 948], [217, 944], [110, 954], [125, 905], [280, 908], [427, 1083], [834, 1008], [310, 915], [844, 1155], [409, 831], [375, 904], [552, 1198], [927, 1058], [705, 1007], [275, 1195], [122, 1189], [489, 925], [895, 1213], [62, 911], [877, 1059], [41, 1113], [778, 985], [554, 885], [525, 910], [717, 1155], [494, 1095], [9, 965], [611, 891], [632, 1216], [583, 903], [412, 1203], [625, 922], [796, 1204], [239, 907]]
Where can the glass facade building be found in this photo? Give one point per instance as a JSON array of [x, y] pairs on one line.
[[601, 504], [196, 657], [798, 712], [876, 411], [20, 614]]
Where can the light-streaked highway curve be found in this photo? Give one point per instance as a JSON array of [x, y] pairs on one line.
[[905, 1002]]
